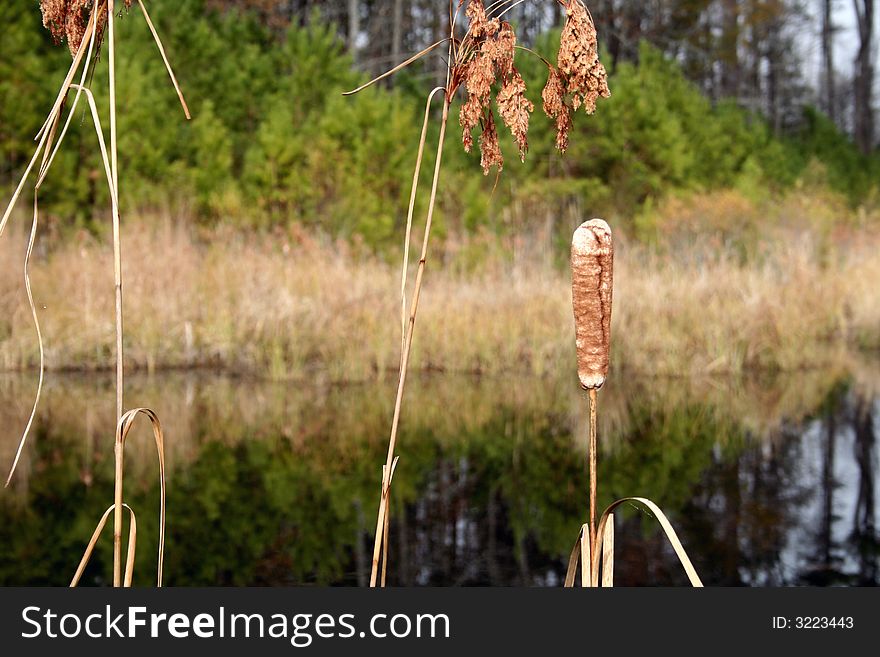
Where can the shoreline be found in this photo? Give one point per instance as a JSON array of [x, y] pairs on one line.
[[288, 308]]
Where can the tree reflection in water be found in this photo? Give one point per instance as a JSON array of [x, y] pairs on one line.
[[769, 483]]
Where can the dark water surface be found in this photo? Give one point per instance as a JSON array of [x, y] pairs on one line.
[[769, 482]]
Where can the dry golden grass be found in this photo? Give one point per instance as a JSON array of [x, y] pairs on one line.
[[288, 306]]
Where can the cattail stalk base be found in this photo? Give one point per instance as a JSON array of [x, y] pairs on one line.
[[593, 465]]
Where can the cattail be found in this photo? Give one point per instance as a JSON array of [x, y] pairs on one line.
[[592, 270]]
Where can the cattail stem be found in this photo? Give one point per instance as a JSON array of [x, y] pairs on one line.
[[593, 477], [407, 347]]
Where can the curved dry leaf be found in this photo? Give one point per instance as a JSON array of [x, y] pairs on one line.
[[125, 424], [90, 548], [667, 529], [123, 428], [48, 153], [607, 554]]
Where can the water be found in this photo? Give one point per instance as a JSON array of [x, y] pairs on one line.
[[769, 482]]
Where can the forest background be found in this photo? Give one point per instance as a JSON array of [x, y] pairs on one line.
[[736, 160]]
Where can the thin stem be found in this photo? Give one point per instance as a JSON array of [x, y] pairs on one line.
[[397, 68], [515, 4], [414, 307], [593, 459], [119, 471], [529, 50], [114, 200], [118, 448], [74, 65], [117, 270], [454, 14], [165, 59], [385, 543], [409, 218], [45, 147], [42, 135]]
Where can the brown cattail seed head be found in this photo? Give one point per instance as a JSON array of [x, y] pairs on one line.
[[592, 280]]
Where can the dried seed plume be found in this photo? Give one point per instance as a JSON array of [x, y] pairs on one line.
[[579, 79], [556, 108], [67, 19], [487, 58], [592, 273], [490, 148], [515, 110], [578, 59]]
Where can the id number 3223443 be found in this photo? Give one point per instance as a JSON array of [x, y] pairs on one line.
[[813, 623]]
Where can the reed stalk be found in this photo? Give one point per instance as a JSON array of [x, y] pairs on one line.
[[482, 58], [82, 57], [123, 428], [388, 469], [117, 282]]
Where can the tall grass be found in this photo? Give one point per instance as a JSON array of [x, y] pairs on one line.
[[293, 306]]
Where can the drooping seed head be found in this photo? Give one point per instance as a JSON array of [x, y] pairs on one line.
[[592, 282], [68, 19], [579, 79], [578, 58]]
